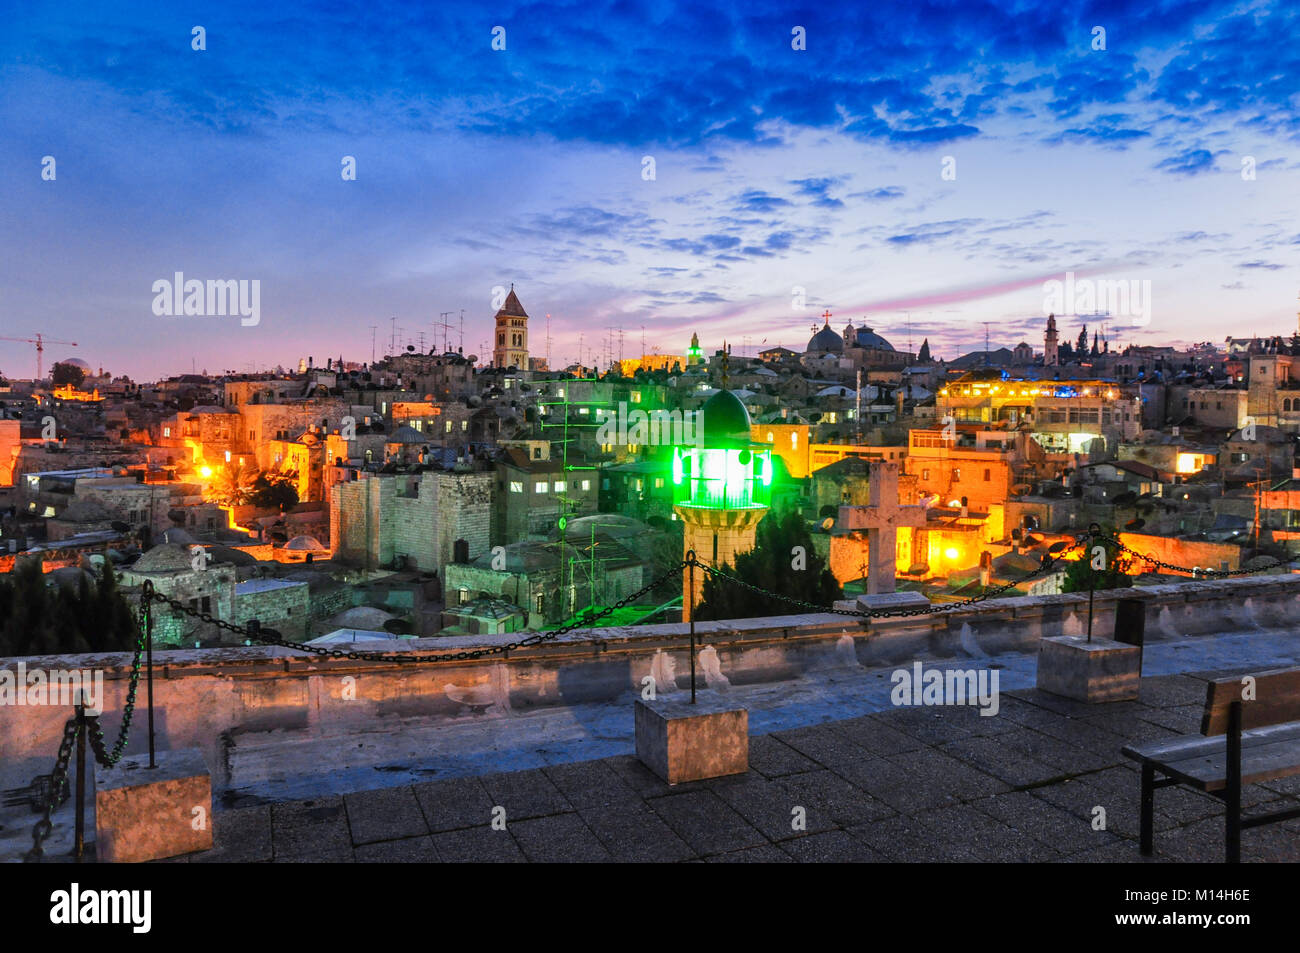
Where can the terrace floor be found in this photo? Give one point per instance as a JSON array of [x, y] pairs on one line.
[[907, 784]]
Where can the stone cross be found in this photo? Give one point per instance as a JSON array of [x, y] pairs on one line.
[[882, 519]]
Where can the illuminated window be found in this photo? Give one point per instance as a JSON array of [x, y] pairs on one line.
[[540, 487], [167, 431], [516, 486], [586, 484], [561, 486]]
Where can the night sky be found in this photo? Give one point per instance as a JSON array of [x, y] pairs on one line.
[[774, 168]]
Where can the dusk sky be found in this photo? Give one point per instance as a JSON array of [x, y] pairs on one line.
[[774, 169]]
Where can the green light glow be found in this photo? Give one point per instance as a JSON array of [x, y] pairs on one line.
[[716, 479]]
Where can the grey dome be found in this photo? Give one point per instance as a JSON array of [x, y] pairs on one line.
[[865, 337], [826, 340]]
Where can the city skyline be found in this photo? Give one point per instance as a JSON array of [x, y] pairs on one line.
[[775, 169]]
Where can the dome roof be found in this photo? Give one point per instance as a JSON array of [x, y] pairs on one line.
[[169, 557], [305, 543], [865, 337], [76, 362], [826, 340], [405, 434], [725, 421]]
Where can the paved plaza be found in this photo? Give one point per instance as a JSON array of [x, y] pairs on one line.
[[903, 785]]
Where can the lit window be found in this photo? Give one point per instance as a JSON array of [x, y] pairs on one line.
[[561, 486], [167, 431], [449, 426], [586, 484], [516, 486], [539, 487], [464, 425]]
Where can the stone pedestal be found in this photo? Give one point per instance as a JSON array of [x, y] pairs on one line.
[[144, 813], [683, 742], [892, 601], [1102, 670]]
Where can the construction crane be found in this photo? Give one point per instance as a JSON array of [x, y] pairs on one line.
[[40, 341]]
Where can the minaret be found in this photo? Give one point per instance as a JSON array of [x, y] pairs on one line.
[[511, 348], [1049, 343], [694, 355], [721, 489]]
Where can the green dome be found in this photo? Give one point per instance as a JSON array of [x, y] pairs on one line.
[[725, 422]]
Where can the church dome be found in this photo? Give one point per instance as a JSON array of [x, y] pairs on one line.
[[869, 338], [825, 340], [725, 421]]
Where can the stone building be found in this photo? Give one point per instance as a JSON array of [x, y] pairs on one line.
[[205, 585], [417, 519]]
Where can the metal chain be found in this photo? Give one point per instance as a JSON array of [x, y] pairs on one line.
[[1195, 572], [1048, 562], [56, 792], [271, 637]]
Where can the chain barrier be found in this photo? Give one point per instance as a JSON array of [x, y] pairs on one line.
[[50, 791]]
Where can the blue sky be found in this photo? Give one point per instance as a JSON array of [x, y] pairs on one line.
[[775, 169]]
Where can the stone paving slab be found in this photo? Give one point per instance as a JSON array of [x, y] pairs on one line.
[[907, 785]]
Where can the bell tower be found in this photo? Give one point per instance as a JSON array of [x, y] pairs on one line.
[[511, 348]]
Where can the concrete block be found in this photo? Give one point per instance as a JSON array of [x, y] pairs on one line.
[[1102, 670], [683, 742], [144, 813]]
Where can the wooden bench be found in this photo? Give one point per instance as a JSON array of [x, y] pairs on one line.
[[1246, 742]]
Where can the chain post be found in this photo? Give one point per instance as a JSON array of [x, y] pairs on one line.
[[80, 842], [148, 654], [690, 568]]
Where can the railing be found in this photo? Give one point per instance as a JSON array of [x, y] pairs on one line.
[[49, 792]]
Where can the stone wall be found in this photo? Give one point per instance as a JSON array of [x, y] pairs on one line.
[[217, 699]]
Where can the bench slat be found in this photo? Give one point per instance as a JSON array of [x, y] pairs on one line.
[[1277, 700], [1265, 756], [1187, 746]]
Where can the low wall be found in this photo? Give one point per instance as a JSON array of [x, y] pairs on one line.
[[209, 698]]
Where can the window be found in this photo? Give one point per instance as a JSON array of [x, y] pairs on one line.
[[586, 484], [464, 425], [167, 431], [561, 486], [925, 474], [659, 483], [956, 474], [540, 487], [449, 426], [516, 486], [988, 475], [537, 453]]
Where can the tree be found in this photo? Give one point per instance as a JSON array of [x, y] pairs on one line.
[[782, 561], [63, 375], [273, 492], [1081, 577], [1082, 347], [923, 356], [37, 618]]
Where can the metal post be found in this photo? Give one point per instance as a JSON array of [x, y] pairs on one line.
[[1092, 592], [148, 654], [81, 783], [690, 559]]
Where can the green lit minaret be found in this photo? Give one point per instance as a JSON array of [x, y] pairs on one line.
[[721, 488]]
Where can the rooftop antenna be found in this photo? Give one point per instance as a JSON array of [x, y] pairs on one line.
[[548, 339], [461, 333], [392, 337], [373, 329], [446, 329]]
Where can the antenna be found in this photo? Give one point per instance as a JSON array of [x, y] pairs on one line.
[[548, 339], [373, 329]]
